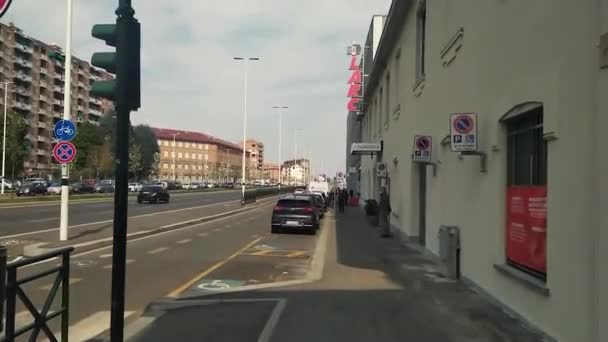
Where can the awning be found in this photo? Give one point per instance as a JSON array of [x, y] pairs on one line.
[[365, 148]]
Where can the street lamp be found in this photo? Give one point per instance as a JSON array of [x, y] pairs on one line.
[[5, 84], [295, 146], [280, 110], [246, 60], [174, 166]]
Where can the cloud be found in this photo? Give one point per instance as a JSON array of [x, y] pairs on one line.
[[191, 82]]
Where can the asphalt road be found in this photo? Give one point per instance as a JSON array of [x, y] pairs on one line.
[[22, 218], [170, 263]]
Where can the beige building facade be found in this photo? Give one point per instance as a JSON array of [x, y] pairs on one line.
[[192, 156], [36, 72], [536, 76]]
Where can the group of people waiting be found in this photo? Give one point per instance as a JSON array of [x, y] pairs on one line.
[[348, 198], [343, 198]]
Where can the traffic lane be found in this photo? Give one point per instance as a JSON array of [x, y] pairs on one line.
[[156, 265], [274, 258], [20, 220]]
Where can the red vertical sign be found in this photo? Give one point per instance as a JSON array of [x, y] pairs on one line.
[[527, 226], [4, 5]]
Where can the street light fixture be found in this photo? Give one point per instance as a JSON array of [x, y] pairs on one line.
[[280, 110], [246, 60], [5, 84]]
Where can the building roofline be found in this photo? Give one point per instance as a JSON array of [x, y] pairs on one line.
[[392, 27]]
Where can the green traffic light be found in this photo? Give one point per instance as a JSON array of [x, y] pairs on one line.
[[106, 32]]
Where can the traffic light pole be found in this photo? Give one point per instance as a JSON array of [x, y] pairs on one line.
[[123, 110]]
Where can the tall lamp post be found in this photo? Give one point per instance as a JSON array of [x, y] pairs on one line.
[[5, 84], [280, 110], [246, 60]]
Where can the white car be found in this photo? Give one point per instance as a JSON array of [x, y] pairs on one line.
[[135, 187], [7, 184], [55, 188]]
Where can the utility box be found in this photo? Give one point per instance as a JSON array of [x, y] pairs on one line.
[[449, 250]]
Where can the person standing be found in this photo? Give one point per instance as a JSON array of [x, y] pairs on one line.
[[384, 211], [341, 200]]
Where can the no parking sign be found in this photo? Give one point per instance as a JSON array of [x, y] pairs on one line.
[[463, 132], [423, 148]]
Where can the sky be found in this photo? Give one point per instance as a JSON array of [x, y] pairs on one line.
[[191, 82]]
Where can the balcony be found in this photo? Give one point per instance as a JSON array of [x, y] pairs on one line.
[[95, 101], [59, 75], [93, 122], [43, 71], [57, 102], [23, 106], [22, 91], [23, 77], [40, 152], [24, 48], [24, 63], [57, 115], [42, 125], [80, 108], [43, 166], [43, 84], [58, 89], [28, 136], [94, 112], [43, 98]]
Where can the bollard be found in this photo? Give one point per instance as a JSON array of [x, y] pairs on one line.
[[3, 260]]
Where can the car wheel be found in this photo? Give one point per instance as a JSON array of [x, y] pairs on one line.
[[275, 230], [167, 201], [312, 231]]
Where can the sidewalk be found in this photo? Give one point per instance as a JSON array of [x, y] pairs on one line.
[[372, 289]]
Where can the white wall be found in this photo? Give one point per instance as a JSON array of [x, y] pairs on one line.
[[512, 52]]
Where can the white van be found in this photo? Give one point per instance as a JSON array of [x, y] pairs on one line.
[[319, 187]]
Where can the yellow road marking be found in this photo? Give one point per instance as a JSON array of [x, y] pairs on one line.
[[188, 284], [296, 254], [268, 251], [278, 253]]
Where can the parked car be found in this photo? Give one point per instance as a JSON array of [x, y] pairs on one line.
[[7, 183], [295, 211], [153, 194], [195, 186], [82, 188], [318, 201], [210, 185], [54, 188], [135, 187], [102, 188], [32, 189], [106, 181], [178, 186]]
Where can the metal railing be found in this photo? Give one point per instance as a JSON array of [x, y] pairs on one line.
[[14, 290]]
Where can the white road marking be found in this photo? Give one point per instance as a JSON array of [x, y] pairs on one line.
[[72, 282], [203, 234], [273, 320], [227, 226], [42, 220], [158, 250], [217, 229], [184, 241], [91, 326], [105, 256], [110, 265]]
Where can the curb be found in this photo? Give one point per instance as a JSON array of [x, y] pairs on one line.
[[39, 248]]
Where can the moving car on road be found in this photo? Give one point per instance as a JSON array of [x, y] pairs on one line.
[[32, 189], [135, 187], [295, 212], [153, 194]]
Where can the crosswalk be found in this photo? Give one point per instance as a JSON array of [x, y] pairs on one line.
[[83, 330]]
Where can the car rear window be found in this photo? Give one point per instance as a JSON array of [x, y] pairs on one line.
[[150, 188], [293, 203]]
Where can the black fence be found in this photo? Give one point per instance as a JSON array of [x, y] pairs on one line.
[[14, 290], [252, 194]]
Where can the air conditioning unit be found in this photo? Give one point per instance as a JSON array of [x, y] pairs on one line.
[[381, 170]]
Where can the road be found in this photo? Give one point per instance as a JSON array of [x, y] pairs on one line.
[[173, 263], [33, 217]]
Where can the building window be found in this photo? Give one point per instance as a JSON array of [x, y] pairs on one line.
[[180, 144], [526, 234], [420, 40], [179, 155], [187, 167], [166, 154], [173, 143], [187, 145], [200, 156], [172, 154], [200, 146], [165, 166], [206, 157], [179, 166], [172, 166], [193, 156], [187, 155], [206, 147]]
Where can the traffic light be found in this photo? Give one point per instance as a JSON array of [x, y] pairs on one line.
[[125, 35]]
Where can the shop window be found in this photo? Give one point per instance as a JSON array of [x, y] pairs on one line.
[[526, 234]]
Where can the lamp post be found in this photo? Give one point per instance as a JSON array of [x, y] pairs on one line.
[[280, 110], [246, 60], [5, 84]]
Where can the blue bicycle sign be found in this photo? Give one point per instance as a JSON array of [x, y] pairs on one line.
[[65, 130]]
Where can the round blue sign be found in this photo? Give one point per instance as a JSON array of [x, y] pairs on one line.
[[65, 130]]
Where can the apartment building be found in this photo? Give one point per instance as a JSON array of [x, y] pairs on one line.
[[271, 172], [36, 73], [296, 171], [256, 158], [193, 156], [530, 200]]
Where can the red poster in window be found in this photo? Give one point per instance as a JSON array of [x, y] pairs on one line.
[[527, 226]]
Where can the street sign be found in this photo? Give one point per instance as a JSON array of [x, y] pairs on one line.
[[381, 170], [64, 152], [4, 5], [463, 132], [64, 130], [423, 148]]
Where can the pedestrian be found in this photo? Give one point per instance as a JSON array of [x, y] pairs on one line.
[[384, 211], [341, 200]]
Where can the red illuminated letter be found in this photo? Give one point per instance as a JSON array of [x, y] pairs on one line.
[[353, 104], [355, 77], [353, 63], [353, 90]]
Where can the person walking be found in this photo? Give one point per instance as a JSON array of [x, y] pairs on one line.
[[384, 211], [341, 200]]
